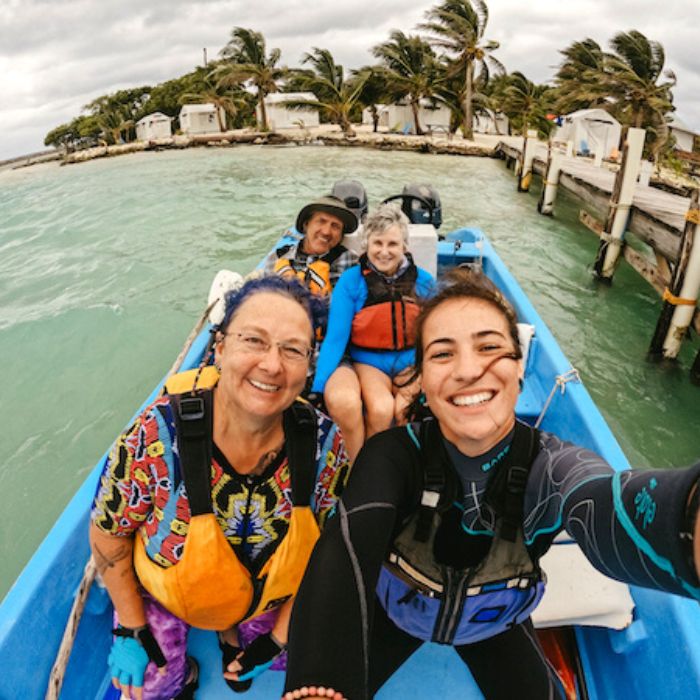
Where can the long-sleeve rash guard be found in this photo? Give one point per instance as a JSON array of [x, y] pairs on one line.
[[627, 524], [349, 296]]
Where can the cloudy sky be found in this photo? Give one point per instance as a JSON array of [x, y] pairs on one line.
[[58, 55]]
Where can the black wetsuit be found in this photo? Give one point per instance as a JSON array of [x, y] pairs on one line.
[[626, 523]]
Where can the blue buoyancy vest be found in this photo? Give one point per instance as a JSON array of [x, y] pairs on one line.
[[451, 604]]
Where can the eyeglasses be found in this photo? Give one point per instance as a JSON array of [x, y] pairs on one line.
[[255, 345]]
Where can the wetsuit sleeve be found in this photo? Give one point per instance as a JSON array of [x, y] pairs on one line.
[[334, 607], [627, 523], [342, 311]]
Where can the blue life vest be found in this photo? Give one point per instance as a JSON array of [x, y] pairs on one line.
[[456, 605]]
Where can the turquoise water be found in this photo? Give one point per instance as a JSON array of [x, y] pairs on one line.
[[105, 267]]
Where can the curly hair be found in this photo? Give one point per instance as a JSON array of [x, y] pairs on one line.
[[288, 287]]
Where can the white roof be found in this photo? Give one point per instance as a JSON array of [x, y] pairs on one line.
[[592, 115], [204, 108], [154, 117], [678, 125], [277, 97]]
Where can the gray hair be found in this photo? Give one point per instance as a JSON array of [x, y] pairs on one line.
[[382, 218]]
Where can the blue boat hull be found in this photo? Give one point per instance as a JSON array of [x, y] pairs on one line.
[[658, 655]]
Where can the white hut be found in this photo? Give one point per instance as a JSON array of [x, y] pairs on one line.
[[591, 131], [685, 136], [491, 123], [399, 116], [201, 119], [154, 126], [280, 116]]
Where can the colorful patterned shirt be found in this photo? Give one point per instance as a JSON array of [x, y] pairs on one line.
[[141, 488]]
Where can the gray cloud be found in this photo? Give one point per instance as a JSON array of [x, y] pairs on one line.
[[58, 55]]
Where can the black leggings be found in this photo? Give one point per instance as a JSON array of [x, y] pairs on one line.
[[507, 666]]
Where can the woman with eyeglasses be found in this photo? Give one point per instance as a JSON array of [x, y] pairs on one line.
[[210, 503], [440, 530]]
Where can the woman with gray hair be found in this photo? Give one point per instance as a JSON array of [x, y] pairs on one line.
[[373, 309]]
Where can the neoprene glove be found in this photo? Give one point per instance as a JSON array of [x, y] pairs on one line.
[[258, 656], [131, 651]]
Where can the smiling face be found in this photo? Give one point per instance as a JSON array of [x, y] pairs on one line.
[[262, 385], [386, 250], [470, 379], [323, 231]]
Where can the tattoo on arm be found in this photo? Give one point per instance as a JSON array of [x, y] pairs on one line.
[[108, 561]]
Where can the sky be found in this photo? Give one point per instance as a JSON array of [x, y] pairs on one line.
[[58, 55]]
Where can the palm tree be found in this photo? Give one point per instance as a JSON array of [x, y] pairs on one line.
[[114, 123], [526, 104], [248, 61], [375, 89], [411, 67], [335, 96], [633, 74], [578, 77], [458, 27]]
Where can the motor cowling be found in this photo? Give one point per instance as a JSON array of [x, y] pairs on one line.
[[416, 211], [354, 195]]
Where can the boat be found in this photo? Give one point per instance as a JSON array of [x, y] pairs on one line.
[[616, 641]]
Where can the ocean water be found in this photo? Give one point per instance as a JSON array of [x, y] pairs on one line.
[[105, 267]]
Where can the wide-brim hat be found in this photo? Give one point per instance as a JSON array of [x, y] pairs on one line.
[[328, 205]]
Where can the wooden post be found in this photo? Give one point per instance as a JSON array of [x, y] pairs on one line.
[[681, 298], [620, 202], [529, 146], [569, 151], [551, 182]]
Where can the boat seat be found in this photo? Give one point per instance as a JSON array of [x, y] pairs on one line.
[[578, 594]]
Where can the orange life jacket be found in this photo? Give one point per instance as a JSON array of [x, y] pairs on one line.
[[209, 587], [388, 318], [316, 276]]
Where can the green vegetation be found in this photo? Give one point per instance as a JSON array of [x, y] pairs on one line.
[[453, 64]]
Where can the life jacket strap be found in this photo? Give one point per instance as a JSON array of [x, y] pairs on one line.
[[300, 430], [194, 425], [434, 478]]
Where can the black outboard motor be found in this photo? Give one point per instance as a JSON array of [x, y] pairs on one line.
[[353, 194], [416, 212]]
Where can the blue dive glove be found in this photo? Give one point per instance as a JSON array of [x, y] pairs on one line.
[[131, 651], [258, 656]]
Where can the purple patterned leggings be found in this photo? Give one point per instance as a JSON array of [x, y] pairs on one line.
[[171, 634]]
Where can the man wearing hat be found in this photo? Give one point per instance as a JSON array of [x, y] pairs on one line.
[[318, 259]]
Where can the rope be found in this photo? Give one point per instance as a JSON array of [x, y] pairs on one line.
[[676, 301], [559, 383], [693, 216], [610, 240], [58, 670]]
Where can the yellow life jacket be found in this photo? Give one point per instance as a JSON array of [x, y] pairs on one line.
[[317, 276], [209, 587]]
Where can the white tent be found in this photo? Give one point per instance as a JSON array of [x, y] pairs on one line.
[[154, 126], [591, 130], [279, 116], [200, 119]]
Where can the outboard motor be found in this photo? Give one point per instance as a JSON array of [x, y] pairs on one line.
[[353, 194], [416, 211]]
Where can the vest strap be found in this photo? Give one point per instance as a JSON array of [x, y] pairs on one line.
[[300, 429], [194, 424]]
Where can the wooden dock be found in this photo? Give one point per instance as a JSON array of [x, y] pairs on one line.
[[662, 220]]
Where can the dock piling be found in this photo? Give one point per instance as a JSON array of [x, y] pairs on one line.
[[528, 155], [619, 209], [680, 297], [551, 182]]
